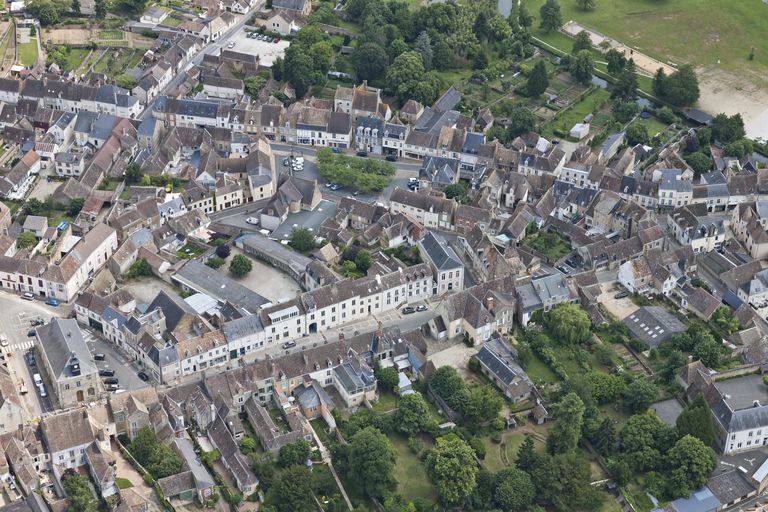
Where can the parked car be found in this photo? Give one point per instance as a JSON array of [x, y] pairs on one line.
[[99, 356], [41, 389], [30, 358], [111, 380], [289, 344], [30, 334], [621, 295], [3, 340], [391, 158], [330, 184], [143, 376], [422, 307], [276, 40], [335, 150], [37, 379], [252, 220], [356, 193], [112, 387], [52, 302], [106, 372], [28, 296], [407, 310], [231, 45], [37, 321], [563, 269], [362, 154]]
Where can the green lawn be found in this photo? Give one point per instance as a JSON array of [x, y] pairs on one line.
[[511, 441], [126, 58], [387, 402], [699, 32], [111, 35], [652, 124], [173, 21], [123, 483], [549, 243], [539, 372], [568, 117], [454, 77], [410, 473], [27, 53], [75, 57], [188, 252]]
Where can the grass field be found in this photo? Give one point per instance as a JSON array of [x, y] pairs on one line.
[[411, 476], [698, 32], [75, 57], [111, 35], [27, 53], [511, 441], [587, 104]]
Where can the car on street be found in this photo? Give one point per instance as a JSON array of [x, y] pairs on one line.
[[407, 310], [3, 340], [41, 389], [106, 372], [28, 296], [362, 154], [30, 358], [231, 45], [99, 356], [391, 158], [37, 379], [37, 321], [570, 263], [336, 150], [143, 376], [52, 302], [112, 387], [111, 380], [289, 344], [563, 269], [421, 307], [252, 220], [621, 295], [31, 333], [356, 193]]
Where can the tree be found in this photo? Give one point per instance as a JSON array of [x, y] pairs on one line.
[[299, 70], [626, 85], [26, 239], [582, 41], [291, 490], [699, 162], [412, 414], [639, 395], [586, 4], [521, 120], [253, 85], [527, 458], [447, 383], [514, 489], [76, 7], [223, 251], [568, 323], [248, 445], [583, 66], [696, 420], [692, 462], [404, 75], [523, 16], [79, 493], [616, 61], [659, 81], [370, 61], [564, 482], [538, 80], [302, 239], [453, 468], [606, 387], [708, 350], [551, 18], [727, 128], [371, 459], [569, 416], [620, 471], [387, 378], [133, 173], [100, 8], [442, 54], [637, 133], [483, 405], [456, 190], [139, 268], [240, 265], [681, 88], [723, 319], [624, 111], [363, 260], [704, 135], [44, 10], [294, 454], [423, 46], [158, 458], [214, 262]]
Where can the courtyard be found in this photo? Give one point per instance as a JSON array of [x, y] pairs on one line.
[[267, 52]]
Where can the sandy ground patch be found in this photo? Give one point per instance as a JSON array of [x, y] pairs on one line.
[[145, 289], [71, 35], [642, 61], [264, 279], [456, 356], [618, 308], [745, 95]]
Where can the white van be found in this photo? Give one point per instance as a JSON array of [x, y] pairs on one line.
[[38, 380], [41, 388]]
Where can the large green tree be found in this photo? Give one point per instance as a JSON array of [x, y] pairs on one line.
[[640, 395], [538, 80], [569, 323], [294, 454], [582, 41], [691, 462], [564, 482], [291, 490], [527, 458], [616, 61], [551, 18], [483, 405], [514, 489], [423, 46], [696, 420], [25, 240], [564, 435], [387, 378], [586, 4], [412, 414], [79, 493], [583, 66], [370, 60], [625, 87], [240, 265], [728, 128], [681, 88], [371, 460], [453, 468]]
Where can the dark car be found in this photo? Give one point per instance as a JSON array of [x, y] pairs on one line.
[[408, 310], [143, 376], [106, 372], [621, 295], [391, 158], [570, 262], [112, 380], [37, 321], [31, 333], [98, 356], [362, 153], [31, 359]]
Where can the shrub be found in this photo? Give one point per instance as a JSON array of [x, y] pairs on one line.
[[214, 262], [477, 445], [415, 445], [223, 251], [496, 437]]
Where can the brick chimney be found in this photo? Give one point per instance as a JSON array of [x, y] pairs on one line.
[[489, 303]]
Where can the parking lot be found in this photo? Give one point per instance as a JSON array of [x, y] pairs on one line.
[[267, 52]]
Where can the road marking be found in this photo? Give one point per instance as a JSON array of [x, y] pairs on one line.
[[25, 345]]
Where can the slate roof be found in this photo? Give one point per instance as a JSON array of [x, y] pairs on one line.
[[500, 361], [63, 344], [653, 325], [439, 253]]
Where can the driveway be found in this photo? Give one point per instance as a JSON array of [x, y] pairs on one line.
[[618, 308], [457, 356]]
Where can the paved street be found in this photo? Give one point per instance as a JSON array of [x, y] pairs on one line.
[[125, 371]]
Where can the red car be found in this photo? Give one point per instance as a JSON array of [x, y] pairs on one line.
[[276, 40]]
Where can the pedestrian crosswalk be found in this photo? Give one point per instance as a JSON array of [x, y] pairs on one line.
[[24, 345]]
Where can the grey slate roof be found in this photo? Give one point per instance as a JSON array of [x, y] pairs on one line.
[[438, 251], [203, 278], [499, 360], [653, 325], [64, 345]]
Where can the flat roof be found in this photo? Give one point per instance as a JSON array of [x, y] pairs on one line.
[[741, 392]]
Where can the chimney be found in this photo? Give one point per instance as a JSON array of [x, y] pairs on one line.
[[379, 330], [489, 301]]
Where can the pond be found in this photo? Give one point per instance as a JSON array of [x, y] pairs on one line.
[[505, 7]]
